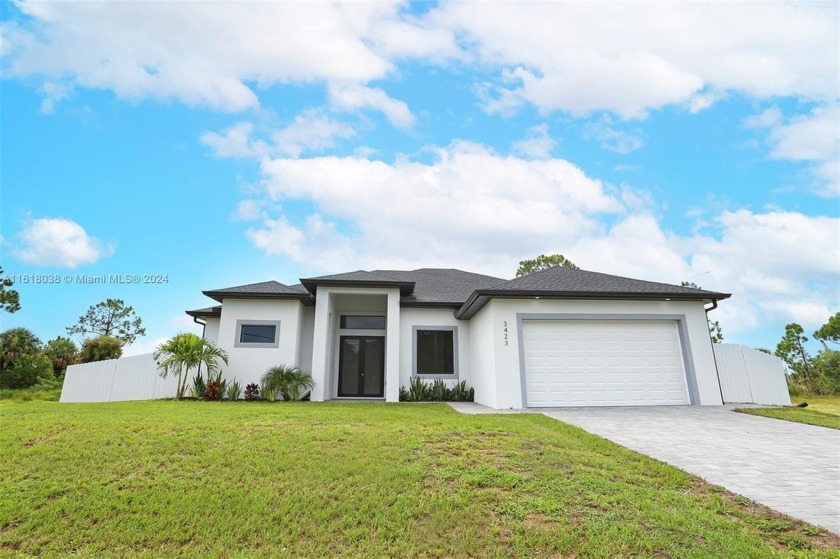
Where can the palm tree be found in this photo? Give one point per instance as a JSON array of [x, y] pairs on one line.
[[185, 352], [287, 380], [15, 342]]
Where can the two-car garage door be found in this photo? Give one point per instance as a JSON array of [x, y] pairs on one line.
[[603, 363]]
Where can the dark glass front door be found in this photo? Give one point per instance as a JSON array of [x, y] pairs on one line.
[[361, 367]]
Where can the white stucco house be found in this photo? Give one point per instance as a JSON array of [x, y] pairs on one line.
[[558, 337]]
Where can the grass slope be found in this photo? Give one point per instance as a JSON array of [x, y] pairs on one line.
[[194, 479], [822, 410]]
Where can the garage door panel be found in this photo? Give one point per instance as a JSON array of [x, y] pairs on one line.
[[602, 363]]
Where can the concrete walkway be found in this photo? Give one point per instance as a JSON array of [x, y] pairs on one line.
[[790, 467]]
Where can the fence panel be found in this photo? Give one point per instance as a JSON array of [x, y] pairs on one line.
[[749, 376]]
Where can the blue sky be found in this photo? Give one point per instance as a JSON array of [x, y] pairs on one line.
[[220, 144]]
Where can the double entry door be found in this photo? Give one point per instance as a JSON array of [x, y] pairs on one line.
[[361, 367]]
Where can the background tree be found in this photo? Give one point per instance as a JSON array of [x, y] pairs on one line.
[[100, 348], [543, 262], [715, 331], [792, 351], [185, 352], [15, 342], [830, 331], [9, 298], [62, 353], [110, 318], [28, 370]]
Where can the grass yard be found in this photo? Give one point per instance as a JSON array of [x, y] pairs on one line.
[[195, 479], [822, 410]]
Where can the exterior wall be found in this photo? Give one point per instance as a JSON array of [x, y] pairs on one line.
[[482, 349], [508, 373], [414, 317], [247, 364], [211, 330], [306, 327]]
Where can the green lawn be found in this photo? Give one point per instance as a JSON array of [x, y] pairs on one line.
[[822, 410], [195, 479]]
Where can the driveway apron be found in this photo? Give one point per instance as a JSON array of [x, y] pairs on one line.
[[790, 467]]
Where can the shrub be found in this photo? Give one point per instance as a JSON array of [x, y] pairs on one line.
[[288, 381], [26, 371], [62, 352], [252, 391], [212, 391], [100, 349], [198, 386], [222, 383], [437, 391], [234, 391]]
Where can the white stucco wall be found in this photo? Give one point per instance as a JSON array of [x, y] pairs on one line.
[[482, 375], [247, 364], [211, 330], [506, 359], [411, 317], [306, 326]]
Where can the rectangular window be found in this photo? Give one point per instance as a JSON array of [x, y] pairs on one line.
[[435, 352], [257, 333], [362, 322]]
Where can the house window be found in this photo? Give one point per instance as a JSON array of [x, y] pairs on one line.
[[435, 351], [257, 333], [350, 322]]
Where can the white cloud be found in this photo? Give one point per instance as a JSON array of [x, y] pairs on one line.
[[53, 92], [142, 347], [574, 57], [813, 138], [537, 144], [475, 209], [311, 131], [634, 57], [611, 138], [59, 242], [357, 97]]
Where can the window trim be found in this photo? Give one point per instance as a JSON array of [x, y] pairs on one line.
[[342, 318], [455, 354], [246, 322]]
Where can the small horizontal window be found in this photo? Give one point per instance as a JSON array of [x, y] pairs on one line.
[[258, 334], [435, 352], [362, 322]]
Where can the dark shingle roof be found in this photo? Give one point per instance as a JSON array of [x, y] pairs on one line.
[[434, 286], [206, 312], [257, 290], [360, 278], [567, 283]]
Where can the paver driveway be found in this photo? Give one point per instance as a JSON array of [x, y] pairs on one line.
[[790, 467]]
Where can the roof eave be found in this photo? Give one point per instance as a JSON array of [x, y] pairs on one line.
[[220, 295], [480, 297], [311, 284]]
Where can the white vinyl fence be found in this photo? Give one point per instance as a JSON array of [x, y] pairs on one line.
[[751, 376], [127, 378]]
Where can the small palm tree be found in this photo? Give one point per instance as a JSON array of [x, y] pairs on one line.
[[185, 352], [289, 381]]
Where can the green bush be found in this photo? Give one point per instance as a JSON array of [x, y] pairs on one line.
[[26, 371], [100, 349], [62, 352], [15, 342], [290, 382], [47, 390], [234, 391], [437, 391]]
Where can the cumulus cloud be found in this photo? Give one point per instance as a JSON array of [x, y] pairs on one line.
[[476, 209], [633, 58], [537, 144], [310, 131], [813, 138], [356, 97], [59, 242], [573, 57]]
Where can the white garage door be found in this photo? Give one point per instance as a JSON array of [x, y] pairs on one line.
[[603, 363]]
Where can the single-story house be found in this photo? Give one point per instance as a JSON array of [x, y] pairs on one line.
[[557, 337]]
